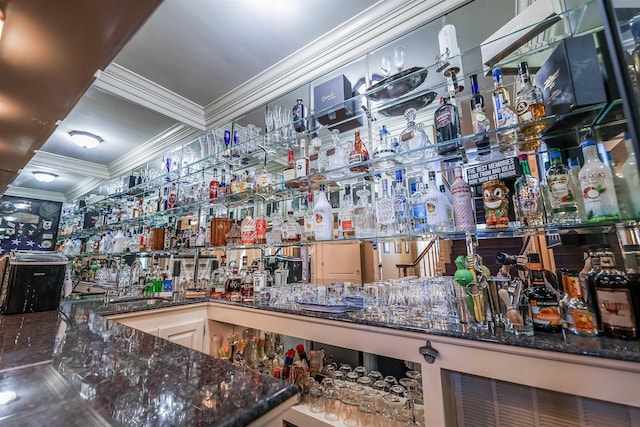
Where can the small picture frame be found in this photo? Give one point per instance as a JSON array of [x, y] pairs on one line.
[[386, 247], [397, 246], [407, 247]]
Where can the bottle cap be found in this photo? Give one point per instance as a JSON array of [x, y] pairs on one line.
[[413, 187], [432, 175], [573, 162], [523, 157], [399, 176], [554, 153], [497, 74], [588, 143], [474, 83]]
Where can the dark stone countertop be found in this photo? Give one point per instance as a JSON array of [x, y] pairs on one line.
[[81, 369]]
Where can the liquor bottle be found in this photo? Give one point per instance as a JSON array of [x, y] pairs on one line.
[[385, 212], [414, 141], [235, 151], [261, 224], [222, 187], [336, 157], [359, 154], [529, 108], [276, 225], [227, 139], [588, 279], [479, 120], [299, 115], [316, 160], [596, 184], [448, 209], [290, 172], [630, 173], [545, 309], [260, 284], [614, 300], [346, 226], [248, 230], [323, 229], [290, 229], [562, 191], [309, 221], [501, 103], [632, 268], [579, 318], [436, 209], [384, 149], [574, 168], [621, 187], [302, 164], [463, 214], [447, 122], [528, 197], [509, 136], [364, 216], [401, 205], [280, 275], [418, 206]]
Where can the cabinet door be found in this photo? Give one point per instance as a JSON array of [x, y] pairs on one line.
[[188, 334], [336, 262]]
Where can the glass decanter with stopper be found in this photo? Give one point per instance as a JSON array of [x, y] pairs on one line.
[[414, 140], [290, 229], [385, 149], [365, 218], [385, 212], [336, 158], [280, 275]]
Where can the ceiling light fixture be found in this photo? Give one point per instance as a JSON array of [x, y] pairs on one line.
[[85, 139], [44, 176]]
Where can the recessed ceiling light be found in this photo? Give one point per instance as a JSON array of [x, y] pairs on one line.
[[85, 139], [44, 176]]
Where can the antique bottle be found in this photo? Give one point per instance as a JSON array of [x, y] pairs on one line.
[[528, 197], [346, 222], [414, 141], [365, 217], [401, 205], [447, 122], [323, 229], [336, 158], [596, 184], [463, 205], [614, 300], [563, 192], [530, 108], [358, 155]]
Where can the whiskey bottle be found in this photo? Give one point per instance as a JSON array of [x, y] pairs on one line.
[[358, 155], [261, 224], [289, 174], [562, 191], [346, 226], [614, 300], [447, 121], [530, 109], [579, 318], [596, 183], [463, 213], [545, 309], [528, 197]]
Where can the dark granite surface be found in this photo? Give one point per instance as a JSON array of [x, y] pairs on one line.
[[83, 369]]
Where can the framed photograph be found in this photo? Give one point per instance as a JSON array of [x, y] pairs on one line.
[[386, 247], [397, 246], [407, 247]]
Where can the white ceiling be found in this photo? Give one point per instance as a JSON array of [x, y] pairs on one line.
[[184, 58]]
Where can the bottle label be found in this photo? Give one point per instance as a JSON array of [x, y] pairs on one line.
[[289, 233], [462, 200], [356, 158], [213, 189], [407, 135], [261, 227], [301, 168], [443, 118], [560, 191], [523, 111], [347, 225], [248, 232], [574, 286], [497, 101], [289, 174], [400, 204], [420, 210], [545, 313], [615, 308], [385, 212], [581, 321], [528, 199]]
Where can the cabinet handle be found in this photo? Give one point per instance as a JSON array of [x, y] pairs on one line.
[[429, 353]]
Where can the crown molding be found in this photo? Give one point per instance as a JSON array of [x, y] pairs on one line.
[[122, 82], [385, 21], [43, 159], [34, 193], [152, 149], [83, 188]]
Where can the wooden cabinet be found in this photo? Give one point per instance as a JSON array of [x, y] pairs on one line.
[[336, 262]]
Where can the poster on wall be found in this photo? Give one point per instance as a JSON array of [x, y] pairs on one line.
[[28, 224]]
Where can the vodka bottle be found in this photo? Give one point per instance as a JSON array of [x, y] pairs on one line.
[[436, 208], [384, 149], [463, 213], [324, 217], [418, 207], [401, 205], [596, 183], [479, 119], [562, 191]]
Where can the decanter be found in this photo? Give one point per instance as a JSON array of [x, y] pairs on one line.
[[412, 139], [384, 150], [336, 158], [365, 218], [290, 229]]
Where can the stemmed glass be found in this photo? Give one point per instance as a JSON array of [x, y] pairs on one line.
[[398, 57], [385, 65]]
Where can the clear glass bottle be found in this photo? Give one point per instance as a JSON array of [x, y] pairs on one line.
[[414, 140], [275, 235], [562, 191], [302, 163], [401, 205], [622, 189], [265, 181], [574, 168], [346, 215], [630, 173], [463, 204], [280, 275], [317, 161], [502, 103], [364, 216], [248, 230], [336, 158], [260, 284], [222, 187], [308, 231], [448, 209], [213, 185], [385, 212], [447, 121], [596, 184], [479, 120], [290, 229], [323, 229], [579, 318], [418, 207], [385, 149], [529, 108], [436, 209], [528, 197], [614, 300], [358, 155]]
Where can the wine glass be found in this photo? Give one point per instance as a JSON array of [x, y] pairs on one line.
[[385, 65], [398, 57]]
